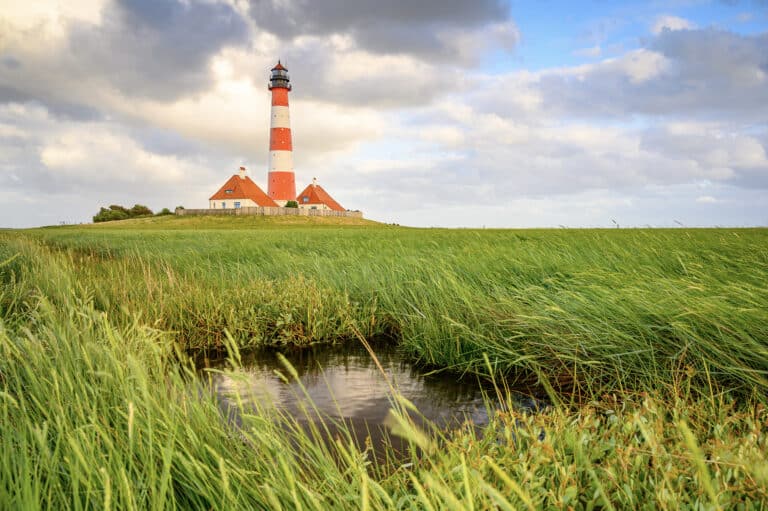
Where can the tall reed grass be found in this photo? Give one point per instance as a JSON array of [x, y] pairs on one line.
[[661, 335], [587, 310]]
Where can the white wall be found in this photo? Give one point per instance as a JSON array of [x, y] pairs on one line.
[[310, 206], [230, 203]]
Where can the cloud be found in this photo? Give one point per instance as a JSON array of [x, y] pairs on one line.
[[356, 77], [721, 153], [481, 157], [10, 63], [569, 130], [705, 73], [591, 52], [92, 155], [668, 22], [426, 29], [234, 116], [28, 15], [639, 207], [157, 49], [161, 62], [41, 155], [383, 54]]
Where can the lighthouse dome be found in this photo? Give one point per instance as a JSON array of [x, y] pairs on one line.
[[279, 77]]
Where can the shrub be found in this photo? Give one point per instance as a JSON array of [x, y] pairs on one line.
[[117, 212], [113, 213], [291, 204], [117, 207], [140, 210]]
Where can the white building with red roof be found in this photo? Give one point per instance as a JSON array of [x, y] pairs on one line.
[[315, 197], [240, 192]]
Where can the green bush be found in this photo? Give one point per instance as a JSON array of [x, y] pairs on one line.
[[113, 213], [140, 210], [117, 212], [291, 204]]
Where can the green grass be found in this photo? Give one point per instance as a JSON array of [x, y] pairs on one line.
[[653, 344], [228, 222]]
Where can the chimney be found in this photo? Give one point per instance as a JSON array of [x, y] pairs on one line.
[[242, 172], [314, 182]]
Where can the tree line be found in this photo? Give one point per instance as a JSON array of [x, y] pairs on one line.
[[117, 212]]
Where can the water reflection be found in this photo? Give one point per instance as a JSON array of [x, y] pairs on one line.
[[343, 382]]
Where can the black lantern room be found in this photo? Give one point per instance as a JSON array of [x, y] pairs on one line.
[[279, 78]]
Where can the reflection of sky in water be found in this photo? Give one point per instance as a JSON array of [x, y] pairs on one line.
[[347, 383]]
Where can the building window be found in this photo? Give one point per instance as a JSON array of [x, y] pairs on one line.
[[223, 205], [227, 191], [313, 207], [305, 199], [237, 205]]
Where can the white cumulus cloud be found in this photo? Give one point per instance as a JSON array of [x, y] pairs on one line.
[[668, 22]]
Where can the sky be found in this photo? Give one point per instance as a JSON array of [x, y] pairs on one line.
[[446, 113]]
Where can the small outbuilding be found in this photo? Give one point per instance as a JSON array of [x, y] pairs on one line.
[[315, 197], [240, 192]]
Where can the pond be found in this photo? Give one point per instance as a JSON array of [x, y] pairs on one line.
[[344, 383]]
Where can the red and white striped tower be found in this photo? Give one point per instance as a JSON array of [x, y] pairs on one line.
[[281, 185]]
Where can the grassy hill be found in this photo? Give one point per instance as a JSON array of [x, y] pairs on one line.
[[226, 222]]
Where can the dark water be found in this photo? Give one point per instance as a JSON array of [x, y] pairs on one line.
[[344, 383]]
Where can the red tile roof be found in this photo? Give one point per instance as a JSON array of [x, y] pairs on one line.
[[317, 195], [243, 188]]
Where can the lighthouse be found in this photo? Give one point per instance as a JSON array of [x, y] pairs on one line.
[[281, 186], [240, 193]]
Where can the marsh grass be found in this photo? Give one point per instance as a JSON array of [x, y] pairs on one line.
[[586, 310], [652, 344], [94, 416]]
